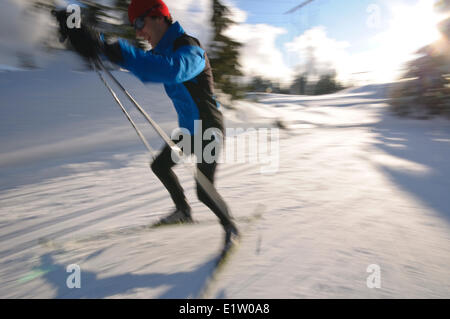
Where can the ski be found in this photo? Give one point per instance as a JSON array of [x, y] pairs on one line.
[[227, 252], [53, 243]]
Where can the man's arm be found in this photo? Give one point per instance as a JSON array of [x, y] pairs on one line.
[[182, 65]]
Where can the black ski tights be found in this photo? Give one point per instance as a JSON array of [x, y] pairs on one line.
[[162, 167]]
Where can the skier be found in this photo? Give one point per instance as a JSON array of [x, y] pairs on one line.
[[179, 62]]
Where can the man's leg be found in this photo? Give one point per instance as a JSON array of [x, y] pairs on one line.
[[162, 167], [224, 215], [217, 205]]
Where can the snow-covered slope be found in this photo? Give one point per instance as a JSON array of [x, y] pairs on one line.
[[355, 186]]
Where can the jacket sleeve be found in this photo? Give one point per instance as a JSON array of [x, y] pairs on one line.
[[182, 65]]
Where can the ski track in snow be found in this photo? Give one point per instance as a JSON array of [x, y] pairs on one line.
[[355, 186]]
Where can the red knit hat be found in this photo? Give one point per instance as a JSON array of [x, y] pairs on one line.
[[139, 7]]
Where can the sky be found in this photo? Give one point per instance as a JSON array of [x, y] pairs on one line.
[[363, 41]]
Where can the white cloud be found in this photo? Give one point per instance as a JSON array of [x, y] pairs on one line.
[[259, 54], [237, 15], [318, 53]]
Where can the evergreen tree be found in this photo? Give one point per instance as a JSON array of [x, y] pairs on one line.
[[327, 84], [258, 84], [299, 84], [224, 52]]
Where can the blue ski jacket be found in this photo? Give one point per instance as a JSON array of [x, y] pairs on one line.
[[182, 65]]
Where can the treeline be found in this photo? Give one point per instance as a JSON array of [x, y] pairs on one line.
[[302, 85]]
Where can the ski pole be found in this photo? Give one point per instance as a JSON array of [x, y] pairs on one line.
[[139, 133], [204, 182], [163, 134]]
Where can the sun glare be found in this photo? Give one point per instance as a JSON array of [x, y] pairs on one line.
[[410, 28], [415, 26]]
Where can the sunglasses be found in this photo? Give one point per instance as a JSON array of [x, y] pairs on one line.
[[139, 22]]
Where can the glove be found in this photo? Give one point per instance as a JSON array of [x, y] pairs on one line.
[[112, 51], [84, 40]]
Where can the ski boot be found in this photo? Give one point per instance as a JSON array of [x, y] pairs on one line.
[[179, 216], [232, 237]]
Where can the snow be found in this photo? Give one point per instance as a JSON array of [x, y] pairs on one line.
[[355, 186], [8, 68]]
